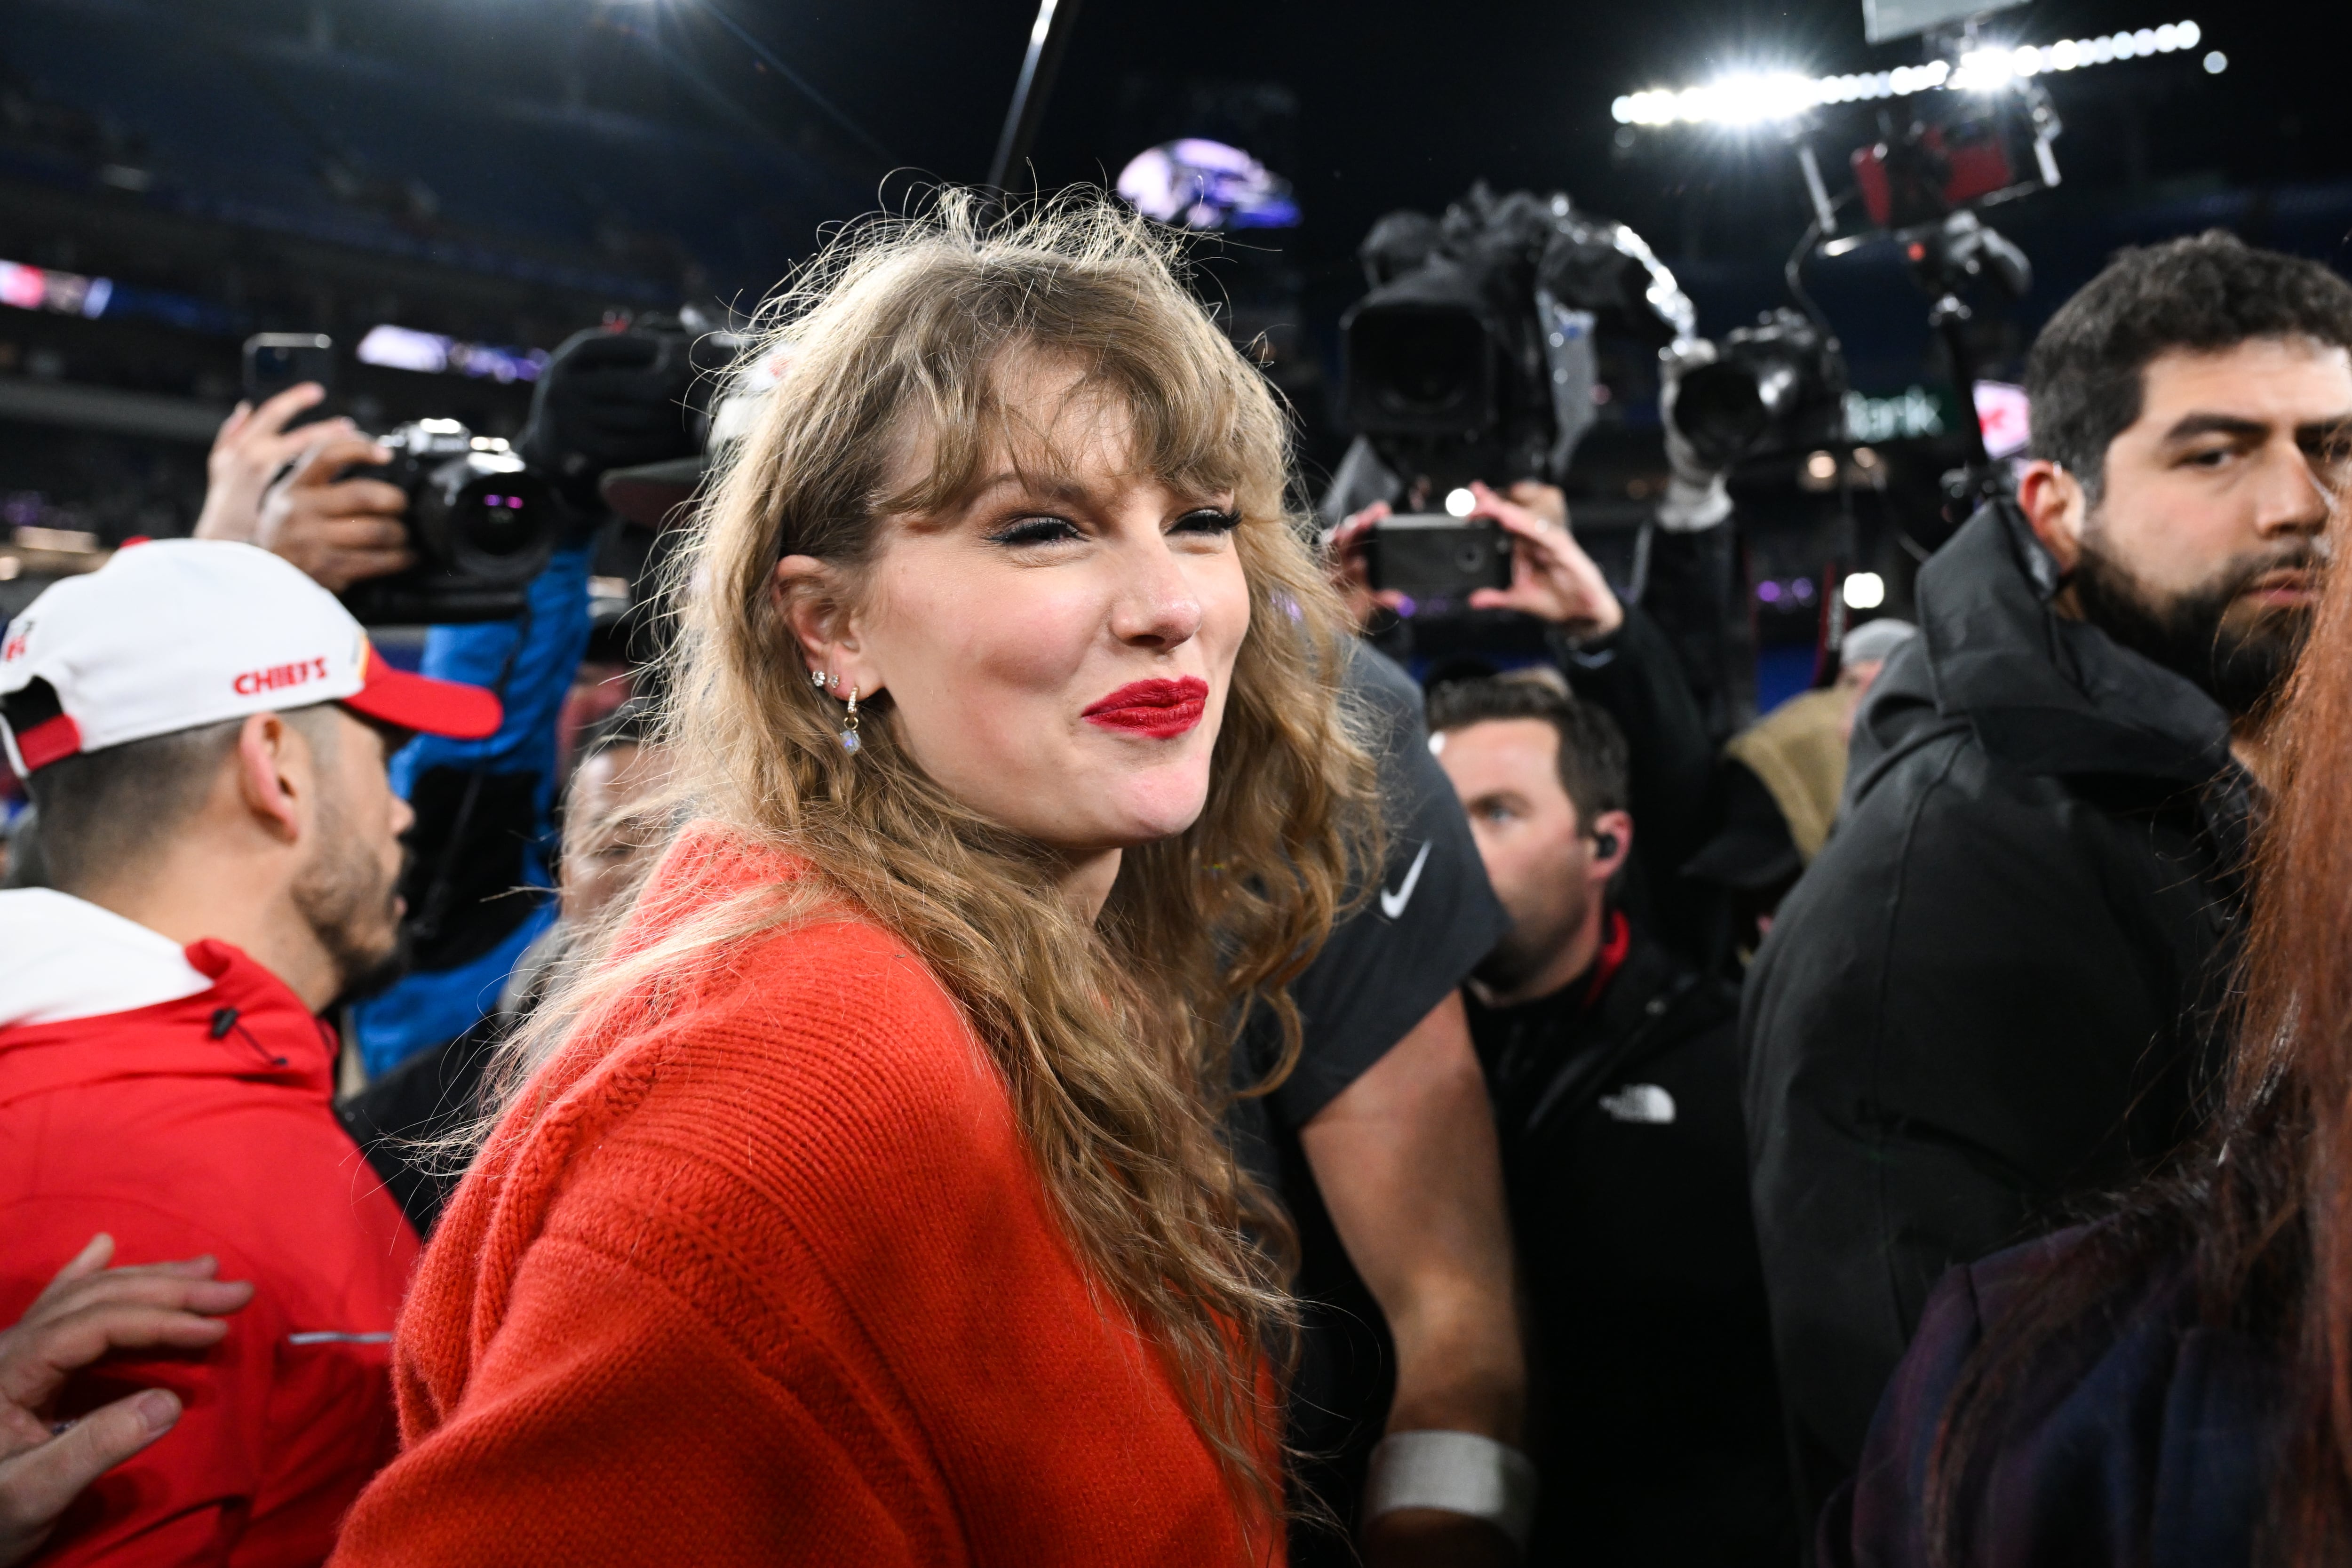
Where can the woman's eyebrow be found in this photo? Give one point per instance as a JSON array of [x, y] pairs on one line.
[[1047, 487]]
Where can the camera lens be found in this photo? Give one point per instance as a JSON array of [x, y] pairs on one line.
[[1419, 370], [496, 519], [1720, 411], [486, 516]]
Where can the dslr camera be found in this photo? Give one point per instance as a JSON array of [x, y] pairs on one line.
[[1776, 386], [481, 521]]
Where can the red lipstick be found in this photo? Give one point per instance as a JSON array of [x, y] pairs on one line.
[[1159, 709]]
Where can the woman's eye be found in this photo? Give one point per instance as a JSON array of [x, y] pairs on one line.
[[1037, 531], [1208, 521]]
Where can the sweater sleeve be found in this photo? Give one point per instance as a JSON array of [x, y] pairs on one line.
[[776, 1280], [610, 1422]]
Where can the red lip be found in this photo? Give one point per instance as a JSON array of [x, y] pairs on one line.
[[1158, 709]]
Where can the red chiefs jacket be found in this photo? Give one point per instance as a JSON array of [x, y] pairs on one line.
[[198, 1123]]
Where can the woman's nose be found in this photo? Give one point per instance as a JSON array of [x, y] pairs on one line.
[[1156, 604]]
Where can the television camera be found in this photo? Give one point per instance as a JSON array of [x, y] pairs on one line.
[[1471, 354]]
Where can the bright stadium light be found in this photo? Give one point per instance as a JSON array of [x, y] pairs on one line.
[[1752, 97], [1863, 591]]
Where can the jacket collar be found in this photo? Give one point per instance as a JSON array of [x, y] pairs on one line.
[[62, 957], [246, 1025], [2044, 692]]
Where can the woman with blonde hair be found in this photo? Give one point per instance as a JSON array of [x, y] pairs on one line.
[[868, 1202]]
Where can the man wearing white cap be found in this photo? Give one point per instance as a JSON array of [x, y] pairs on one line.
[[205, 730]]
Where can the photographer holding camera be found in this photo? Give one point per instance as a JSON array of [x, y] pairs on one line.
[[493, 546], [285, 489]]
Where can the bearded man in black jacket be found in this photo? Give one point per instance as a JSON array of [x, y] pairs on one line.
[[1995, 992]]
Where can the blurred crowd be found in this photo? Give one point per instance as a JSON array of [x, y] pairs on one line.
[[1013, 1029]]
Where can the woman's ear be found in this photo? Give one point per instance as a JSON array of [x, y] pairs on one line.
[[815, 609]]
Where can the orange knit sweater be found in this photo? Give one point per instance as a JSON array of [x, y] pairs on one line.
[[775, 1280]]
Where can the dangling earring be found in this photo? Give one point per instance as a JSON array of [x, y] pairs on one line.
[[849, 731]]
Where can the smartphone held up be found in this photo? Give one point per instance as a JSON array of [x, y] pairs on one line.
[[1435, 560], [276, 362]]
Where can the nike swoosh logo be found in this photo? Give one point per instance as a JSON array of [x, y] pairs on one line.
[[1392, 904]]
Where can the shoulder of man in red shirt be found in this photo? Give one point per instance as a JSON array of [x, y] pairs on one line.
[[203, 1123]]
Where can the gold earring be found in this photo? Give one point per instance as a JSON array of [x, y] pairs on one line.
[[849, 730]]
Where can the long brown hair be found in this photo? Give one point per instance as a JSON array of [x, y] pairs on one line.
[[1115, 1037], [2259, 1207]]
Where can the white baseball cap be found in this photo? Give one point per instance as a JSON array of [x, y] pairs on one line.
[[175, 633]]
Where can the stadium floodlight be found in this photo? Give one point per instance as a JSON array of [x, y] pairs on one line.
[[1752, 97]]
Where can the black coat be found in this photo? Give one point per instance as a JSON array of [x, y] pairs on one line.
[[1655, 1422], [1992, 992]]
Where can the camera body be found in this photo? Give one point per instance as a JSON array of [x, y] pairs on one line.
[[481, 521], [1773, 387]]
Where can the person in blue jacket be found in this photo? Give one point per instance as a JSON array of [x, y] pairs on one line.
[[485, 808]]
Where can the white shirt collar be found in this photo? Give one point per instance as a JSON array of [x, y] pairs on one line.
[[63, 958]]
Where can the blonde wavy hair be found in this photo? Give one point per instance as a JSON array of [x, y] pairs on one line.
[[1117, 1038]]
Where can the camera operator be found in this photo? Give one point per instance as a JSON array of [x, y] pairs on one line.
[[608, 398], [1615, 1086], [284, 490], [1994, 991]]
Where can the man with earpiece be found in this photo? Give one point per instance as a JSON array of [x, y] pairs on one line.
[[1653, 1411]]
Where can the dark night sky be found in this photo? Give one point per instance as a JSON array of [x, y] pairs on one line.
[[1400, 104], [1403, 105]]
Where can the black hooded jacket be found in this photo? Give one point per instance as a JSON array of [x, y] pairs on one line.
[[1655, 1422], [1995, 991]]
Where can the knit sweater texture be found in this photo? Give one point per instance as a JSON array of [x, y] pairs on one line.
[[766, 1274]]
